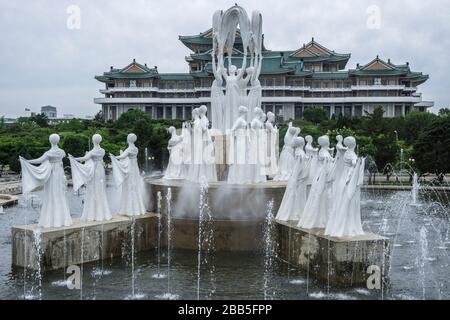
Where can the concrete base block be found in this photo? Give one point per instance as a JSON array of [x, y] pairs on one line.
[[53, 248], [244, 235], [338, 262]]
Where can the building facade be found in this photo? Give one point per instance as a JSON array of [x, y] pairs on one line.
[[311, 76], [49, 111]]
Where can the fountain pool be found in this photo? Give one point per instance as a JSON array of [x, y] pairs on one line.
[[419, 262]]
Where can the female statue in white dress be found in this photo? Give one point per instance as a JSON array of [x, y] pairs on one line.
[[175, 146], [196, 147], [127, 176], [49, 174], [208, 166], [287, 160], [294, 199], [92, 174], [238, 152], [345, 220], [272, 145], [317, 207], [338, 165], [255, 93], [311, 152], [187, 148], [217, 95], [258, 147], [233, 91]]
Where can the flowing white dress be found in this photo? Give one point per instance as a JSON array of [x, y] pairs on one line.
[[287, 158], [175, 166], [217, 107], [208, 167], [187, 149], [239, 170], [345, 220], [196, 151], [294, 199], [92, 174], [317, 207], [232, 101], [127, 177], [49, 174], [254, 98], [257, 155], [272, 146]]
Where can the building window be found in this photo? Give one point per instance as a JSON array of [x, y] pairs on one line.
[[149, 111], [268, 108], [132, 83], [398, 110], [279, 112], [159, 112], [348, 111], [337, 111], [187, 112], [169, 112], [327, 110], [179, 114], [298, 111], [377, 81], [358, 111]]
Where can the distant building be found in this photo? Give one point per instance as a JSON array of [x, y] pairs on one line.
[[49, 111], [293, 80]]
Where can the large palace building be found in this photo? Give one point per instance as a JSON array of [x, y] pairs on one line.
[[311, 76]]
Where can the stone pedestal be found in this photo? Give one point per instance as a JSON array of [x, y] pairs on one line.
[[54, 248], [221, 143], [340, 262], [236, 235]]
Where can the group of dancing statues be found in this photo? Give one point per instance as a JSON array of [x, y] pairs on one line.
[[251, 149], [323, 192], [89, 170]]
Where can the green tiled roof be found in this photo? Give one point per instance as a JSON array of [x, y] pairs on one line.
[[330, 75], [176, 76]]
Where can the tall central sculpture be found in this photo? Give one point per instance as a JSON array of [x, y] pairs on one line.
[[225, 107]]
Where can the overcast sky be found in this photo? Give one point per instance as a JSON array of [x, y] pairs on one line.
[[43, 61]]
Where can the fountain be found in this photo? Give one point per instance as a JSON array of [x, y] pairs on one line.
[[208, 219], [415, 191]]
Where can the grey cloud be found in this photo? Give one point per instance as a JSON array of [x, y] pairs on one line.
[[43, 62]]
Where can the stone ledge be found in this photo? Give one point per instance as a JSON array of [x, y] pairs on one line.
[[339, 262], [82, 242]]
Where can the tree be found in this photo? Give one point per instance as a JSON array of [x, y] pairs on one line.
[[414, 123], [314, 115], [129, 118], [444, 112], [431, 149]]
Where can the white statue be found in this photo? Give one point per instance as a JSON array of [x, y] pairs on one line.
[[92, 174], [238, 152], [317, 207], [294, 199], [49, 174], [272, 144], [233, 95], [287, 160], [257, 148], [345, 219], [208, 167], [127, 176], [217, 97], [175, 146], [197, 146], [255, 94], [338, 166], [311, 152], [187, 148], [225, 26]]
